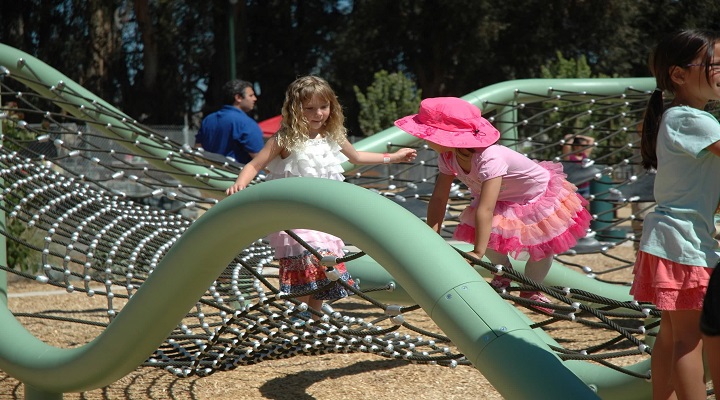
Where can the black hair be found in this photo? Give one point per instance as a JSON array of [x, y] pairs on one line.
[[578, 141], [233, 87], [676, 50]]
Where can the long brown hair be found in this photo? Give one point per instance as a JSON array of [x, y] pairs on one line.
[[677, 50], [294, 128]]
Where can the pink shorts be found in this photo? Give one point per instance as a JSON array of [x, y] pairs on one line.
[[669, 285]]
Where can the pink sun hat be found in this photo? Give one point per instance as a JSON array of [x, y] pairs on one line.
[[451, 122]]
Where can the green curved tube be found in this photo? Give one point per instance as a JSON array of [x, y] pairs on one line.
[[374, 276], [608, 383], [434, 275], [457, 298]]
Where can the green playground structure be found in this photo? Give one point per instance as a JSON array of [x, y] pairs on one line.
[[457, 298], [403, 250]]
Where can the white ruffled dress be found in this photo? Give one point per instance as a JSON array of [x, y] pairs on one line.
[[319, 158]]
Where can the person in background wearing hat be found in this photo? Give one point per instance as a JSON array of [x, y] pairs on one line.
[[520, 207]]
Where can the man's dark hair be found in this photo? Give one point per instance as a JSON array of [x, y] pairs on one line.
[[233, 87]]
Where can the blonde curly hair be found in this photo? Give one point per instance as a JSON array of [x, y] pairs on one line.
[[294, 131]]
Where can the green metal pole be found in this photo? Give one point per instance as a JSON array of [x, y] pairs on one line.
[[504, 122], [231, 29], [3, 242]]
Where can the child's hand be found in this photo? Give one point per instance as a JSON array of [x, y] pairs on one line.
[[236, 187], [474, 254], [404, 155]]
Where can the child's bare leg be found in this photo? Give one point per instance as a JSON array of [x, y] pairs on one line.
[[499, 282], [498, 258], [535, 270], [304, 299], [689, 372], [316, 305], [661, 361], [538, 270], [312, 303]]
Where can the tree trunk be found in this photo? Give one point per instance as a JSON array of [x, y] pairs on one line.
[[103, 46], [150, 46]]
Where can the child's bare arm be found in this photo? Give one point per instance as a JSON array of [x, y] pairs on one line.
[[257, 164], [366, 157], [438, 201]]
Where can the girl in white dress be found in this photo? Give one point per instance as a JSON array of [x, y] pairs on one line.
[[311, 142]]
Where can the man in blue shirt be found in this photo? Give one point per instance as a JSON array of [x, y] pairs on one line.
[[230, 131]]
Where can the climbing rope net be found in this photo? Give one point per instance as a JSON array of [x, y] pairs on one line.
[[91, 209]]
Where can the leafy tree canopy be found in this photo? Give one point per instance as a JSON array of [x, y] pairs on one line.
[[162, 60], [388, 98]]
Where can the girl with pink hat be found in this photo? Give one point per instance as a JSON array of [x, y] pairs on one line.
[[520, 207]]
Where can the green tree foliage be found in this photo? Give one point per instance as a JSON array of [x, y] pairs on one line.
[[569, 119], [18, 256], [388, 98], [566, 68], [158, 60]]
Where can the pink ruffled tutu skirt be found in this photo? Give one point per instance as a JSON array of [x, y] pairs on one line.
[[669, 285], [550, 224], [286, 246]]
